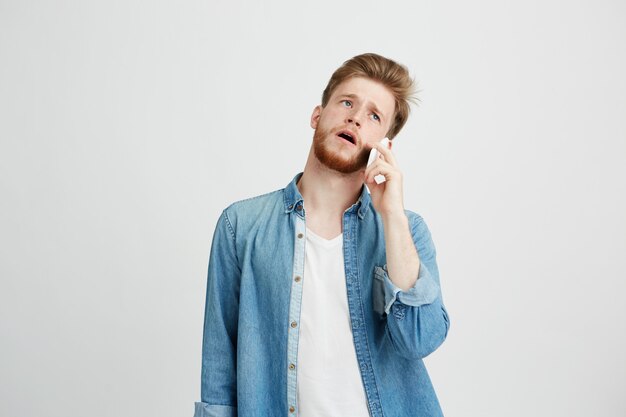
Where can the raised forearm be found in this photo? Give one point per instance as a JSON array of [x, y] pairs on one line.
[[403, 261]]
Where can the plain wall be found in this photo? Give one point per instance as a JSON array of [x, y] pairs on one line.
[[127, 126]]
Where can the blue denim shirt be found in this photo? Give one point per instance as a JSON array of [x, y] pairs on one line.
[[254, 293]]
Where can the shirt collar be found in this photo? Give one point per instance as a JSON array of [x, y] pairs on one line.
[[293, 199], [292, 196]]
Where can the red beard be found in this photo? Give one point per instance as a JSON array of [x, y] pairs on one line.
[[334, 160]]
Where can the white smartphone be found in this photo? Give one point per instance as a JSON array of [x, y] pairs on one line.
[[373, 155]]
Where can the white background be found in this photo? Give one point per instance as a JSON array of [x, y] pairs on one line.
[[127, 126]]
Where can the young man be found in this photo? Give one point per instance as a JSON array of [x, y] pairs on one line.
[[322, 299]]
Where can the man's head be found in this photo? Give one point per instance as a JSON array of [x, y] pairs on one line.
[[366, 99], [392, 75]]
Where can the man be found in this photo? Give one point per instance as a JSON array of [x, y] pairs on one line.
[[322, 299]]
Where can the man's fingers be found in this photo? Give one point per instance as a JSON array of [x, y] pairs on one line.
[[386, 153], [380, 167]]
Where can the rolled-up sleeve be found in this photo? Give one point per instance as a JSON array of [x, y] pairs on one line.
[[425, 290], [417, 320], [208, 410]]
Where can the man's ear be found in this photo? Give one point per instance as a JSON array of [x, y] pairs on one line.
[[315, 117], [390, 143]]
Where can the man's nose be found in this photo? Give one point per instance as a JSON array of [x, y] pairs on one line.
[[356, 122], [355, 117]]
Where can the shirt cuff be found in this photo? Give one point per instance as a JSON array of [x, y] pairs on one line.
[[207, 410], [425, 290]]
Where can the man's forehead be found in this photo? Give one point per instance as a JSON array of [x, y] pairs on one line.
[[355, 85], [364, 88]]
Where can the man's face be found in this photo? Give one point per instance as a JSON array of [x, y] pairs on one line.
[[359, 112]]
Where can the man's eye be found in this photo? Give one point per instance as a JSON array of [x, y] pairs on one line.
[[346, 103], [375, 117]]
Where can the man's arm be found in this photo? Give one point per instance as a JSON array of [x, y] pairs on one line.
[[219, 344], [417, 321], [403, 261]]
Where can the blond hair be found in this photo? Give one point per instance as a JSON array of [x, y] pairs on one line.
[[392, 75]]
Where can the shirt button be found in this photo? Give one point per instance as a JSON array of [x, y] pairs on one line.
[[299, 207], [292, 366], [292, 409], [297, 279], [294, 324], [300, 235]]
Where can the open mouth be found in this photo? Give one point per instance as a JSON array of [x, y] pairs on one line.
[[347, 137]]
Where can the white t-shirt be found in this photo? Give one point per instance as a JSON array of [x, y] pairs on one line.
[[329, 382]]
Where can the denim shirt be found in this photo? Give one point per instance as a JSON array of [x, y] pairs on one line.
[[254, 293]]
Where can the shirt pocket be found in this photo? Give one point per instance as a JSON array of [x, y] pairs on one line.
[[378, 291]]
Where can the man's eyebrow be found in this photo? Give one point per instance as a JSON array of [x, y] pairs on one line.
[[373, 106], [377, 111]]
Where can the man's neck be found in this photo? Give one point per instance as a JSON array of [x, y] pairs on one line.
[[327, 194]]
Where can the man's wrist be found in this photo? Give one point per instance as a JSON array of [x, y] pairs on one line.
[[396, 217]]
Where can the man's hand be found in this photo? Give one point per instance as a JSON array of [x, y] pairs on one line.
[[387, 197]]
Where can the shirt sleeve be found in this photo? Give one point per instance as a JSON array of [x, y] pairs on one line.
[[424, 291], [417, 320], [208, 410], [219, 345]]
